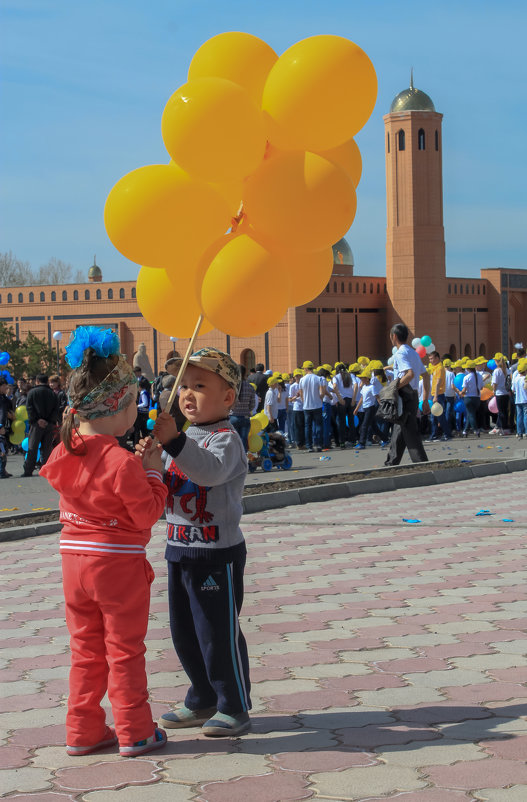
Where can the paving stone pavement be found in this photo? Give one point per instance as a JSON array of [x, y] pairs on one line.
[[388, 661]]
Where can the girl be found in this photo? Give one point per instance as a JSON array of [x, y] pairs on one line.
[[347, 389], [109, 501], [470, 392], [502, 393]]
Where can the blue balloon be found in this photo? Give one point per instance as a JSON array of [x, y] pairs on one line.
[[4, 358], [459, 406], [356, 420], [150, 424], [458, 381], [426, 340], [491, 364], [421, 405], [25, 444]]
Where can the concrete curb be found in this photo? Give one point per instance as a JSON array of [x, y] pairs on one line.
[[326, 492], [381, 484]]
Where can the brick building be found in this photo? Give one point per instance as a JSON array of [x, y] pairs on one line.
[[464, 316]]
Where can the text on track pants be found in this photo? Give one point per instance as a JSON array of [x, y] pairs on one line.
[[204, 602], [107, 604]]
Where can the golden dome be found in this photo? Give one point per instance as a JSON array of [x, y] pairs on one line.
[[412, 99]]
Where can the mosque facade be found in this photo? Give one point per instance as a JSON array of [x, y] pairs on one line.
[[352, 316]]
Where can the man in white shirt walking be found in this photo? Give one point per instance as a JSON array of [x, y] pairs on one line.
[[408, 367]]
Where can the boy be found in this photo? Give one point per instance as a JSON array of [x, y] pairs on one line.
[[368, 402], [206, 468]]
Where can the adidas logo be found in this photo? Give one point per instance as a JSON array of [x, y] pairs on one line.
[[210, 584]]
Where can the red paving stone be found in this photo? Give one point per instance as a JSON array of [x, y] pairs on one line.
[[369, 579]]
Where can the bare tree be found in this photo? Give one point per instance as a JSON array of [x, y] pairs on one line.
[[55, 271], [14, 272]]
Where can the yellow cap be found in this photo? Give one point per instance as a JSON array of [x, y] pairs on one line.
[[364, 375], [363, 360], [447, 363], [298, 372], [308, 365]]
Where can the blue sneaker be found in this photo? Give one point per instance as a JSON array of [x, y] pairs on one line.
[[359, 447], [155, 741], [221, 725]]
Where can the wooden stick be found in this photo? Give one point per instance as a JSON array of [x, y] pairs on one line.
[[183, 366]]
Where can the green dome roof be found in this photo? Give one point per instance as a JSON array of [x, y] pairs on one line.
[[412, 99], [94, 271], [342, 253]]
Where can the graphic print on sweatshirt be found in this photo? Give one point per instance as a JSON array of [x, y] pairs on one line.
[[183, 492]]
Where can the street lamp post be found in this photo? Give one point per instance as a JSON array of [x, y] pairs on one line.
[[173, 340], [57, 336]]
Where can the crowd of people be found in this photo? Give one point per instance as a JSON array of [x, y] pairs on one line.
[[316, 408]]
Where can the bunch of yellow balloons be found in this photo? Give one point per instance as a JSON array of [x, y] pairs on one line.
[[261, 182], [18, 427], [258, 423]]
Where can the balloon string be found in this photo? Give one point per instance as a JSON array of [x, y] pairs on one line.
[[182, 368]]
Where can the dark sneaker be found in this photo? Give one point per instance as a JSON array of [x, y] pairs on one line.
[[222, 725], [184, 717], [109, 739], [156, 741]]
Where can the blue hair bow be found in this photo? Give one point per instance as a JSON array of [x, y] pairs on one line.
[[103, 341]]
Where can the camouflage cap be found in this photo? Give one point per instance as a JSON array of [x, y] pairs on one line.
[[213, 360]]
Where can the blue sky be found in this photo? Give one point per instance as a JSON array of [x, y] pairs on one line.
[[84, 84]]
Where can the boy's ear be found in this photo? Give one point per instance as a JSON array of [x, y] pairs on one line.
[[230, 396]]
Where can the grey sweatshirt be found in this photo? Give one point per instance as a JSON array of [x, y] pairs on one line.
[[205, 470]]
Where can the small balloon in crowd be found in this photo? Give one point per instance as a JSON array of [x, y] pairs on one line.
[[4, 357], [153, 414], [421, 350], [436, 409], [426, 340], [150, 424], [458, 381], [459, 407], [493, 405], [491, 364], [416, 342]]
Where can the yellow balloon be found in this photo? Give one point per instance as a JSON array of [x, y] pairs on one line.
[[319, 93], [255, 427], [169, 310], [300, 201], [16, 437], [310, 272], [232, 287], [255, 443], [262, 418], [158, 215], [239, 57], [153, 414], [213, 129], [18, 427], [347, 156], [232, 191], [21, 412]]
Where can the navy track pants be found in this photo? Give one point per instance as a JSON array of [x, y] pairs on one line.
[[204, 602]]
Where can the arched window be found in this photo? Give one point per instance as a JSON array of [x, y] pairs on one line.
[[86, 295], [484, 289], [450, 289], [478, 289], [31, 297], [437, 140], [9, 298], [42, 297], [357, 287], [20, 297], [388, 143], [466, 289], [334, 286], [133, 292], [371, 288], [461, 289], [327, 287], [121, 293], [378, 289], [472, 289], [64, 295], [53, 296], [453, 352], [482, 349], [468, 350], [364, 288], [400, 137], [385, 290], [248, 359], [421, 139], [75, 295], [349, 287], [110, 294], [98, 295], [455, 289]]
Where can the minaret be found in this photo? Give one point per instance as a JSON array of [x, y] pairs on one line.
[[415, 241]]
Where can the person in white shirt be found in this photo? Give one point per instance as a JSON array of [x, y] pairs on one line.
[[347, 389], [368, 402], [470, 392], [271, 403], [295, 404], [311, 394], [408, 367], [502, 393], [519, 388], [450, 393]]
